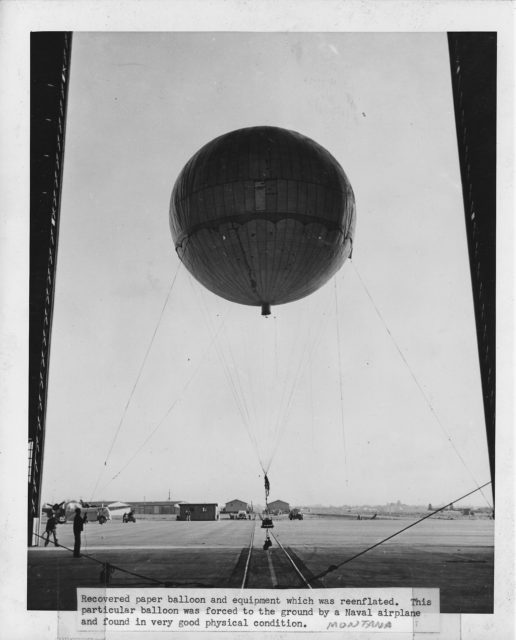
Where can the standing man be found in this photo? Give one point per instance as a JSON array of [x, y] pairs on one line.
[[78, 526], [51, 529]]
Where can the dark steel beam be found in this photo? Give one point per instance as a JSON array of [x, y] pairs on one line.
[[50, 65], [473, 73]]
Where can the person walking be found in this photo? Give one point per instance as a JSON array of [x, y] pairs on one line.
[[51, 529], [78, 526]]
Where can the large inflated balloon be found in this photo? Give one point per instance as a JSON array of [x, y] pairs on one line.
[[262, 216]]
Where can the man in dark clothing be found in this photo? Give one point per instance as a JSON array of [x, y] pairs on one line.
[[51, 529], [78, 525]]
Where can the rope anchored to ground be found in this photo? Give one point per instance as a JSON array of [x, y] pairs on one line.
[[108, 570], [334, 567]]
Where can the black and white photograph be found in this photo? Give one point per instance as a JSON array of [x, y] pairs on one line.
[[263, 321]]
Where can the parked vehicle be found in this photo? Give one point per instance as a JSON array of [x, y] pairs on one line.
[[295, 514], [128, 517], [239, 515]]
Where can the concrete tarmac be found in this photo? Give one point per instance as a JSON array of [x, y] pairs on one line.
[[455, 556]]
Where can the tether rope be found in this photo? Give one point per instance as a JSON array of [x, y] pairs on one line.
[[169, 410], [308, 350], [234, 382], [340, 381], [138, 376], [108, 568], [418, 385], [333, 567]]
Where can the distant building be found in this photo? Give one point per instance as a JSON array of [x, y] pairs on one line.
[[163, 507], [199, 511], [234, 506], [279, 506]]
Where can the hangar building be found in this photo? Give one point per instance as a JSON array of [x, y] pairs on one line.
[[234, 506], [279, 506]]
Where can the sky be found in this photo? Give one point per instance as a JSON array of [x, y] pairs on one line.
[[373, 381]]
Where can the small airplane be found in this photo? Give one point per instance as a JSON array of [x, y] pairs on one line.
[[65, 511]]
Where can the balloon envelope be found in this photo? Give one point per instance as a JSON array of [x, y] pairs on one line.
[[262, 216]]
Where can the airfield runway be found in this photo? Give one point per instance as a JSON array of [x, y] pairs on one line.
[[455, 556]]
